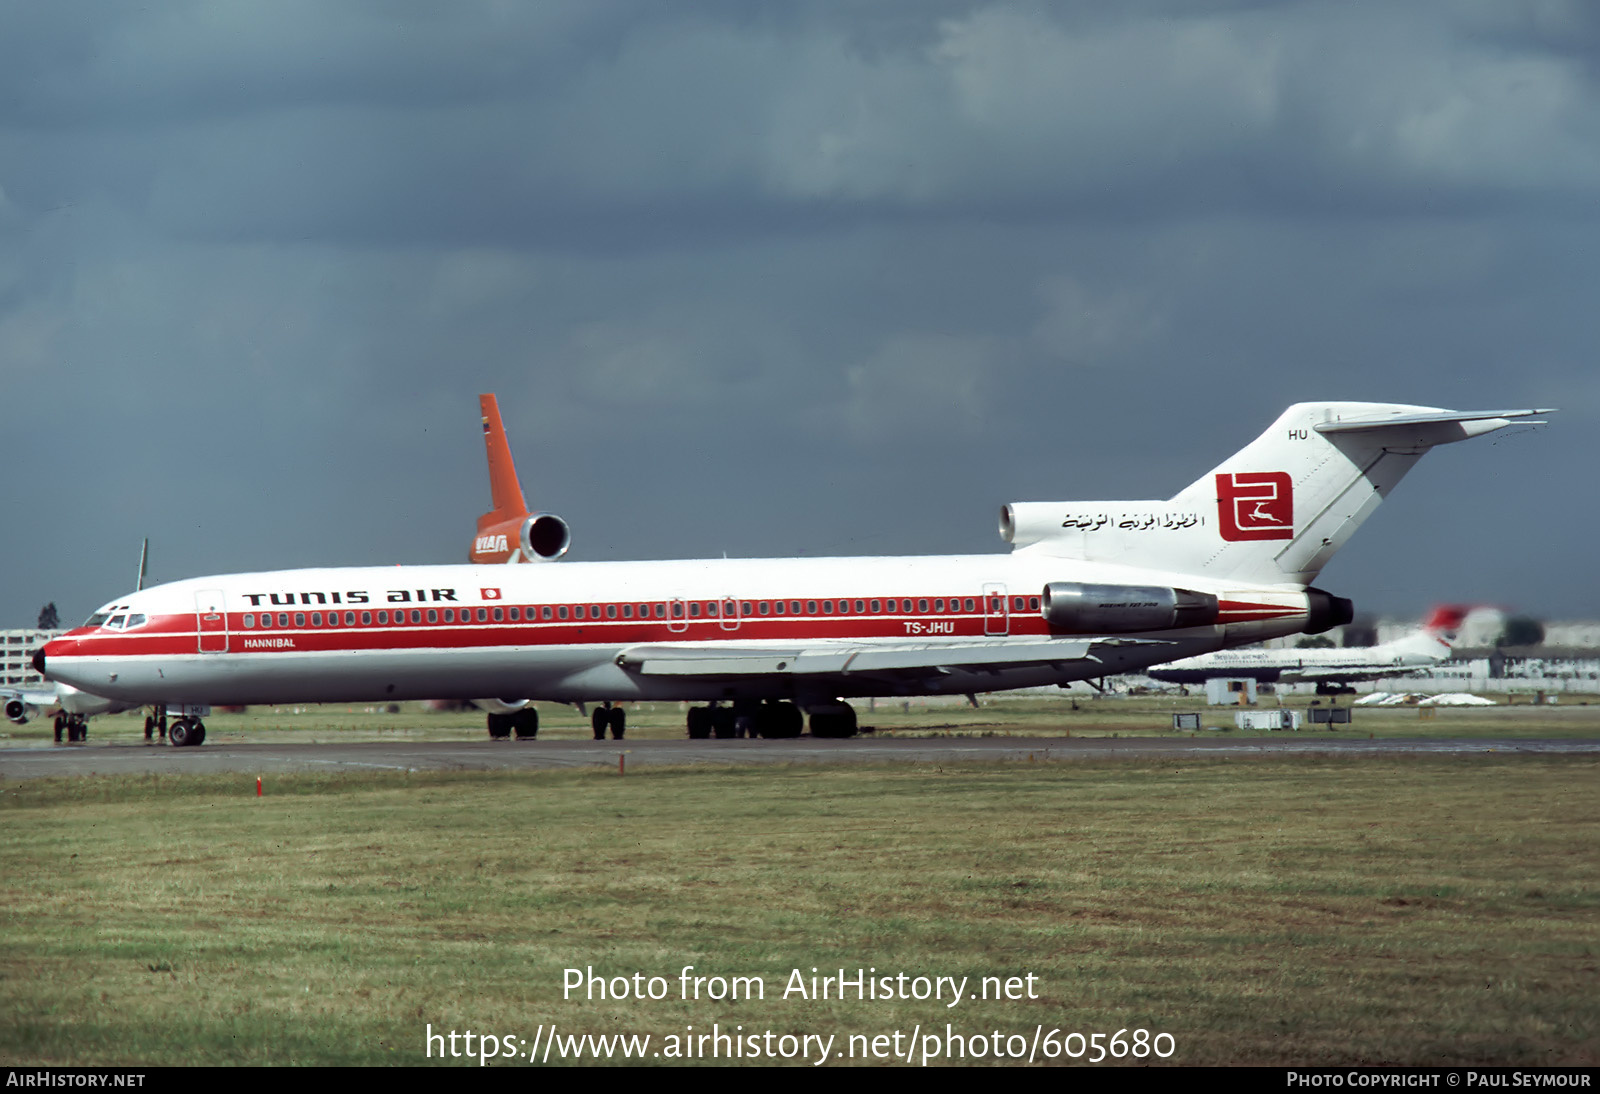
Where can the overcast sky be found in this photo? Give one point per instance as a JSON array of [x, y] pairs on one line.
[[781, 278]]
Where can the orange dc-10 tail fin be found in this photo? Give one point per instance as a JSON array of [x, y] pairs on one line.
[[508, 532]]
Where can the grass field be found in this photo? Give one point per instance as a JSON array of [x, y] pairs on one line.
[[1310, 910]]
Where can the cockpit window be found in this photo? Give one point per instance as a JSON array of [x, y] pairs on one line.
[[116, 622], [97, 618], [135, 621]]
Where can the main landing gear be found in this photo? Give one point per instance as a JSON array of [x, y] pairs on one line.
[[608, 717], [524, 723], [75, 726], [745, 718]]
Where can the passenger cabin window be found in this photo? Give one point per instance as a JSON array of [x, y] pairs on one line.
[[316, 619], [677, 609], [483, 615], [1033, 603], [694, 608], [516, 614], [562, 611], [299, 619], [544, 612], [366, 619], [877, 606], [283, 619], [383, 617], [627, 611], [577, 611], [765, 608], [249, 620], [827, 607], [433, 615], [777, 607], [611, 611]]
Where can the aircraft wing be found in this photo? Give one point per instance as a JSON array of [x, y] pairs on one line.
[[33, 697], [898, 659]]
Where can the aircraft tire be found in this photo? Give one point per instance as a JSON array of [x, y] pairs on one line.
[[499, 727], [526, 723], [722, 723], [149, 728], [198, 737], [178, 733], [699, 720], [597, 720], [619, 723], [61, 723]]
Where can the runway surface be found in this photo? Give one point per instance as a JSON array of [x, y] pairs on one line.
[[258, 759]]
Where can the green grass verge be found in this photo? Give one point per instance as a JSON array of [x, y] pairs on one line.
[[1309, 910]]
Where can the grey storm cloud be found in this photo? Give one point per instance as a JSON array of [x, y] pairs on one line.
[[780, 278]]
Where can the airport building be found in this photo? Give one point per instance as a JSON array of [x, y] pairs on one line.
[[16, 648]]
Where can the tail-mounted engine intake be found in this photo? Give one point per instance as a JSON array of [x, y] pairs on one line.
[[1324, 611], [1115, 609], [545, 537], [17, 710]]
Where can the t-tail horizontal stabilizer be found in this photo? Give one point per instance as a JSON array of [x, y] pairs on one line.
[[1274, 512]]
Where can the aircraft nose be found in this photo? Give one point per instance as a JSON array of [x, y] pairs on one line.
[[38, 660]]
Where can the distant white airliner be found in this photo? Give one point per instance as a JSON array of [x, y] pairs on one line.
[[1089, 589], [1327, 668]]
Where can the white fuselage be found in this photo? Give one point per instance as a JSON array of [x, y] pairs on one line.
[[1309, 665], [564, 632]]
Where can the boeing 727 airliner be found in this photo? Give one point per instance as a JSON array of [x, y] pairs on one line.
[[1088, 589]]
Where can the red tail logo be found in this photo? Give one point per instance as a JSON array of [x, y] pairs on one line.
[[1255, 506]]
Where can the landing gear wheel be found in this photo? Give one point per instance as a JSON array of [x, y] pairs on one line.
[[722, 723], [597, 721], [499, 727], [197, 736], [526, 723], [834, 722], [61, 723], [178, 733], [149, 728], [618, 722], [699, 723]]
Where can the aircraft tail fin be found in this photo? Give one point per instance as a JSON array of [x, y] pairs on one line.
[[1445, 620], [1275, 511], [1438, 634], [504, 489]]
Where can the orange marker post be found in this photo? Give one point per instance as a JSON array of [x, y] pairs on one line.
[[258, 786]]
